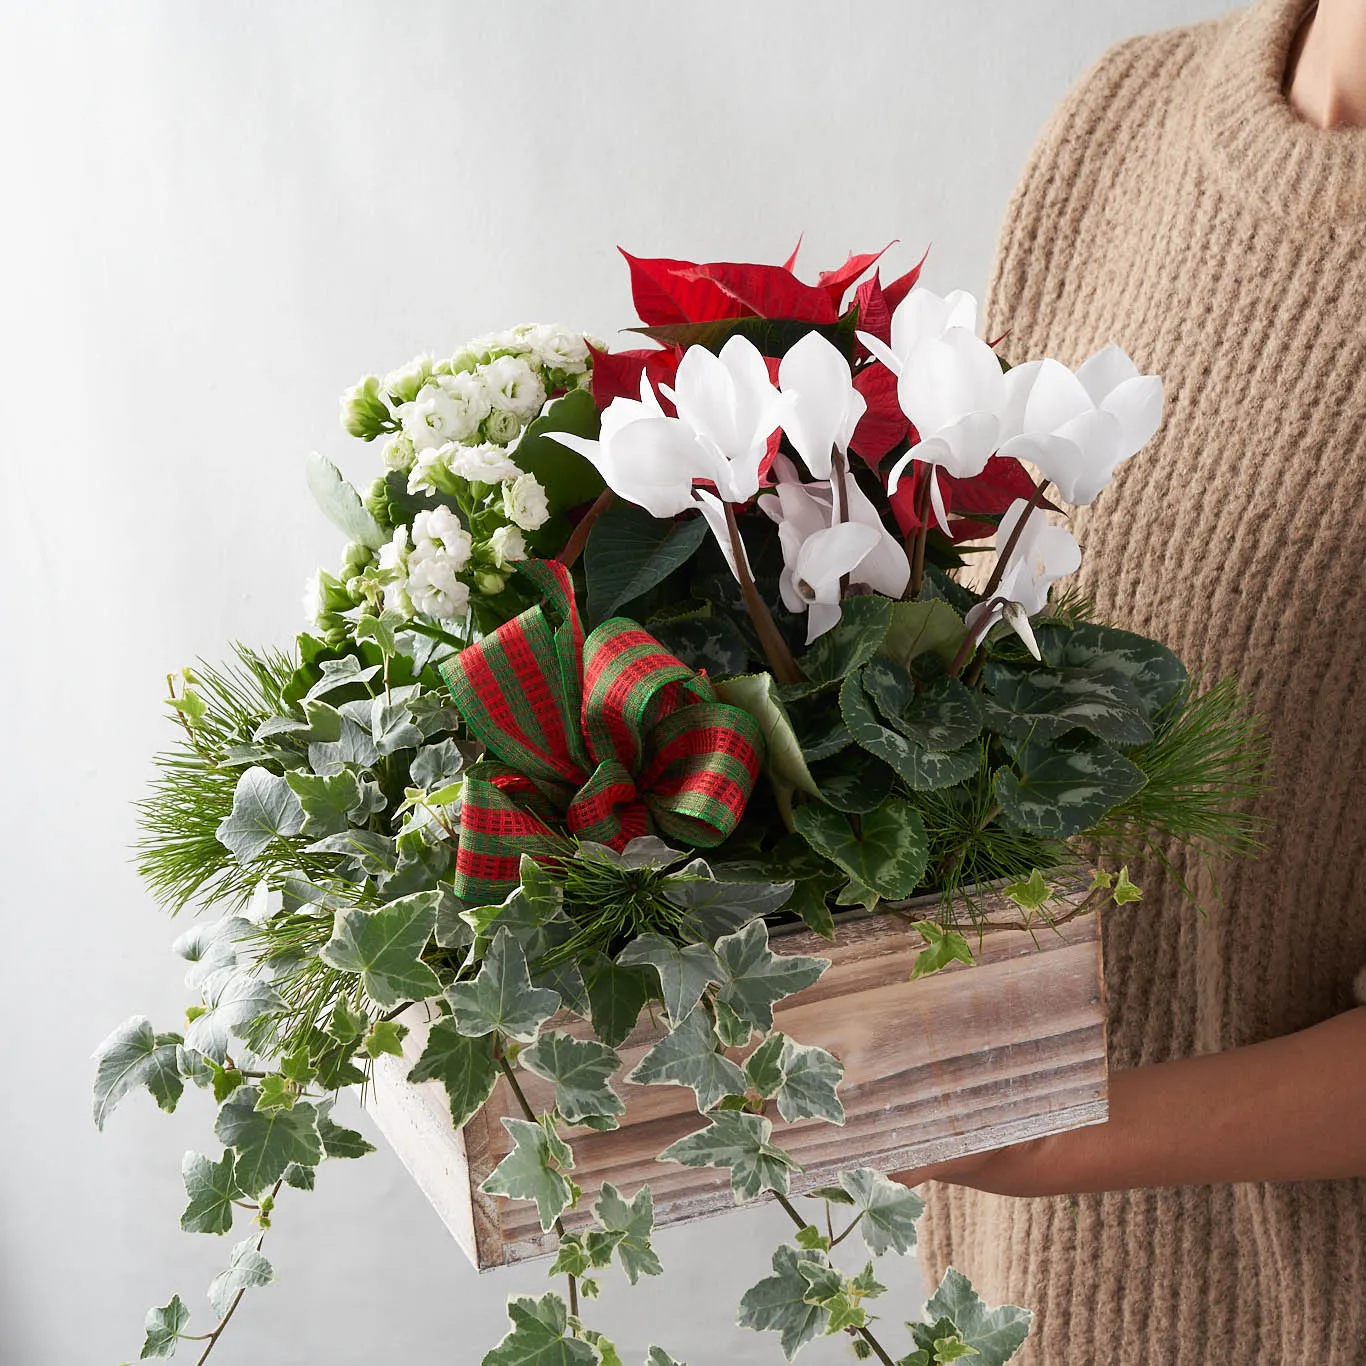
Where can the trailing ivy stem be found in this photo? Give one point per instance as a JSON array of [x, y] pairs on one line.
[[210, 1340], [578, 538], [922, 533], [878, 1350], [780, 659], [506, 1068], [1003, 559]]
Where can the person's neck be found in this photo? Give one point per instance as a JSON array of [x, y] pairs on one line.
[[1326, 81]]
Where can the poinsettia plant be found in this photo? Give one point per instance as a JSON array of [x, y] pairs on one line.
[[631, 657]]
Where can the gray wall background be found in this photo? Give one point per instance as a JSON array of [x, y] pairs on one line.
[[218, 216]]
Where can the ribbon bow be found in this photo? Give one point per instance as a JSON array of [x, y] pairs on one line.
[[608, 738]]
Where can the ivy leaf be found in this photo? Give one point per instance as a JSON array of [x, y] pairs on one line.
[[234, 1001], [631, 1222], [889, 1211], [277, 1093], [501, 998], [134, 1055], [246, 1269], [942, 947], [264, 809], [384, 946], [715, 906], [1124, 890], [327, 802], [1029, 893], [740, 1141], [538, 1336], [778, 1304], [995, 1334], [300, 1178], [685, 970], [437, 766], [266, 1142], [835, 1293], [339, 1141], [807, 1090], [764, 1067], [889, 854], [616, 996], [534, 1170], [210, 947], [392, 727], [352, 747], [164, 1329], [581, 1070], [384, 1037], [657, 1356], [756, 978], [688, 1057], [212, 1189], [464, 1066], [1063, 787]]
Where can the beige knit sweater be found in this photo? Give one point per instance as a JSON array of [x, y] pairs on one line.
[[1175, 205]]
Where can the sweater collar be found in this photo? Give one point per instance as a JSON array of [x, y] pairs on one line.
[[1262, 149]]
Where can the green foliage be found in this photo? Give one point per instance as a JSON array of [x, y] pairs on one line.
[[994, 1334], [135, 1055], [1045, 704], [165, 1327], [1062, 787], [384, 947], [942, 947], [690, 1056], [501, 999], [754, 979], [779, 1304], [464, 1066], [887, 1211], [739, 1141], [888, 852], [539, 1336], [629, 552], [581, 1070], [627, 1225], [212, 1187], [685, 970], [267, 1141], [246, 1269], [534, 1169]]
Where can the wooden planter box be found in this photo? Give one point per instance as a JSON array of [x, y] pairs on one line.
[[971, 1058]]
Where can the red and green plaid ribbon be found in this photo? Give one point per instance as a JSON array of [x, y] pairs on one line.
[[607, 738]]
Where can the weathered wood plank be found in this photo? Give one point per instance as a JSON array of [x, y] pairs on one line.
[[969, 1059]]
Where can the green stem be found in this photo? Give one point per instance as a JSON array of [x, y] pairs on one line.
[[922, 533], [578, 538], [435, 633], [210, 1340], [780, 659], [841, 471], [1003, 559]]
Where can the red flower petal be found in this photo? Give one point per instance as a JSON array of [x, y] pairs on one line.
[[617, 374], [665, 292], [765, 291], [836, 282], [883, 426]]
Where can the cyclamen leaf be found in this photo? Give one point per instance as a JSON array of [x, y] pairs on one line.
[[688, 1057], [538, 1336], [889, 854], [385, 946], [164, 1329], [134, 1055], [1062, 788], [778, 1303], [995, 1334], [264, 809], [756, 978], [630, 1222], [630, 552], [212, 1188], [889, 1211], [928, 626], [940, 715], [327, 802], [464, 1066], [685, 970], [234, 1001], [501, 997], [1044, 704], [1156, 673], [807, 1090], [267, 1141], [533, 1170], [923, 770], [861, 629], [246, 1269], [582, 1070], [740, 1141]]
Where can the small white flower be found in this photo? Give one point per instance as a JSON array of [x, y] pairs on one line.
[[525, 503], [393, 557], [502, 426], [398, 454], [434, 589], [485, 464], [403, 384], [513, 386], [437, 533], [507, 545], [557, 348], [447, 408]]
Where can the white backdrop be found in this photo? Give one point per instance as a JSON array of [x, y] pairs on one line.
[[215, 218]]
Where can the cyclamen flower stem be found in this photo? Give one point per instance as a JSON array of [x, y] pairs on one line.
[[780, 659], [922, 533], [840, 467], [578, 538], [1003, 558]]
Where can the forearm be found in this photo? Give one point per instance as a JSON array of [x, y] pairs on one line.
[[1288, 1109]]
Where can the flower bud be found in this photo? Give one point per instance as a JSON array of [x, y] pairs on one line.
[[377, 504], [404, 382], [398, 454], [490, 584], [501, 426], [462, 362], [363, 412], [355, 559]]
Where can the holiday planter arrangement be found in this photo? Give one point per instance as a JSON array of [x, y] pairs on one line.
[[652, 820]]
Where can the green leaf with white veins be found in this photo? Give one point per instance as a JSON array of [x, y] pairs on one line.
[[352, 747], [740, 1141], [634, 1221], [246, 1269], [501, 996], [384, 946], [688, 1057], [581, 1069], [888, 854], [212, 1188], [756, 978], [657, 1356], [327, 802], [778, 1304], [1063, 787], [135, 1055], [1156, 673], [267, 1141], [534, 1170], [234, 1001], [464, 1066], [764, 1067], [392, 727], [339, 1141], [889, 1211], [1044, 704], [538, 1336], [941, 714], [807, 1089], [685, 970], [436, 766], [264, 809], [616, 996], [165, 1327], [995, 1334], [923, 770]]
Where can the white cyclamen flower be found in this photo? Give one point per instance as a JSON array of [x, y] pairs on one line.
[[824, 407], [513, 386], [1079, 428], [1043, 553], [525, 503], [507, 545], [447, 408]]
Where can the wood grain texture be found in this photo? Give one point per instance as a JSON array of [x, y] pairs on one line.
[[971, 1058]]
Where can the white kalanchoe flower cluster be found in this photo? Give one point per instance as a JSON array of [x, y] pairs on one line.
[[423, 569]]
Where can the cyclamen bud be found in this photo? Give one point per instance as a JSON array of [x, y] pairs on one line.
[[363, 412]]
